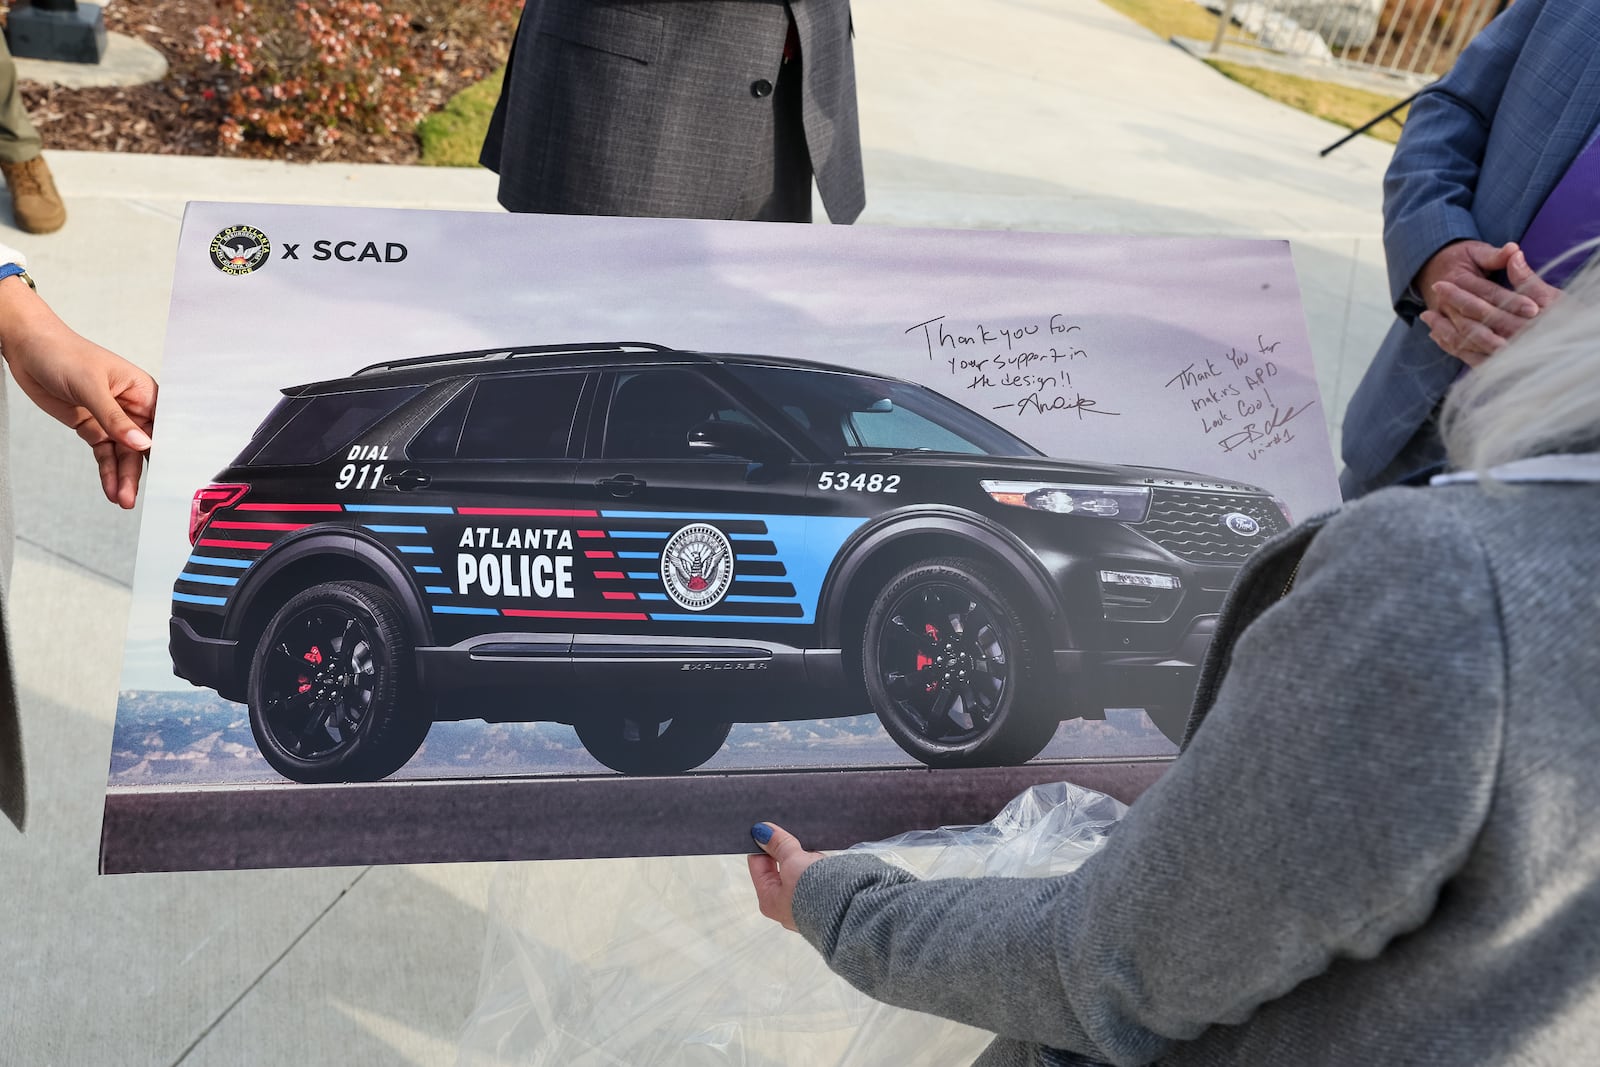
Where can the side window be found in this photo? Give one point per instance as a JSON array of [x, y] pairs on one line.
[[520, 416], [438, 439], [652, 412], [328, 422], [902, 428]]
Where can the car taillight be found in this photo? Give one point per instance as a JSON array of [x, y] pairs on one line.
[[208, 500]]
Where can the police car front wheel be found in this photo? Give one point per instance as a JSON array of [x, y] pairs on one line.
[[949, 665]]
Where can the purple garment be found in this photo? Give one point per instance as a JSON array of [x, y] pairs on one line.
[[1569, 216]]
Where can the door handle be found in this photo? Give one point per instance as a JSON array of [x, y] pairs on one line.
[[406, 480], [621, 485]]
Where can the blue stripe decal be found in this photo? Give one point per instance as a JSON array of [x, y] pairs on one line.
[[656, 617], [208, 579], [218, 561], [190, 598], [396, 529], [415, 550], [637, 533], [400, 509], [649, 576], [692, 516], [757, 600], [756, 557], [749, 537], [427, 570], [652, 596], [439, 589], [760, 577], [441, 610], [638, 555]]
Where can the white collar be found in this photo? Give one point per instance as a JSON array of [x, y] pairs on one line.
[[1555, 467]]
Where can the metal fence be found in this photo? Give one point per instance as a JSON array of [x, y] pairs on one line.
[[1410, 41]]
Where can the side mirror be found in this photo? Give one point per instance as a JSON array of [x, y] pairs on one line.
[[717, 437]]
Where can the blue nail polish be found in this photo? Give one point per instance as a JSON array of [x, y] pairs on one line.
[[761, 832]]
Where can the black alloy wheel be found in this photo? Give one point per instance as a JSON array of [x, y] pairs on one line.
[[330, 687], [1171, 719], [949, 668], [642, 744]]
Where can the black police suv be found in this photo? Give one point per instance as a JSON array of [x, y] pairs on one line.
[[651, 544]]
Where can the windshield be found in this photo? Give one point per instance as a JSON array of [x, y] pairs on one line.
[[854, 414]]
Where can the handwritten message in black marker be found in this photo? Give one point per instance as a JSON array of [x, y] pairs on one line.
[[1025, 369], [1241, 400]]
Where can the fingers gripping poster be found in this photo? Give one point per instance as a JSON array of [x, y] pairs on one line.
[[480, 515]]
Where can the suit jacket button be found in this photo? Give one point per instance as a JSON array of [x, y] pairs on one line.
[[760, 87]]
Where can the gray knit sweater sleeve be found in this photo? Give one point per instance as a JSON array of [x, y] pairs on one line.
[[1335, 785]]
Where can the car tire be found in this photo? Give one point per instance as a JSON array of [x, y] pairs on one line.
[[950, 667], [1171, 719], [645, 745], [332, 691]]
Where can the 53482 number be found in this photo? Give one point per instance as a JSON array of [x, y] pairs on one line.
[[841, 481]]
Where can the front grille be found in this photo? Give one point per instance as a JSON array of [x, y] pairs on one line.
[[1189, 525]]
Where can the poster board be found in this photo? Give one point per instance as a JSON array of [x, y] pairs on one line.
[[680, 518]]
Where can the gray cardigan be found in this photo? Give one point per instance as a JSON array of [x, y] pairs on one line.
[[1374, 850]]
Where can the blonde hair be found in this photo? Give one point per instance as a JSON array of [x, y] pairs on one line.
[[1539, 394]]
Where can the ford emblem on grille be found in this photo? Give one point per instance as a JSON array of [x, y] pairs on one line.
[[1241, 524]]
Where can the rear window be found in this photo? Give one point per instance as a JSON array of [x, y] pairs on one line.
[[310, 429]]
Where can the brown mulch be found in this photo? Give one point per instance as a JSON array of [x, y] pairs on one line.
[[179, 114]]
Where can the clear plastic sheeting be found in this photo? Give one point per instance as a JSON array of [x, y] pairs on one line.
[[667, 961]]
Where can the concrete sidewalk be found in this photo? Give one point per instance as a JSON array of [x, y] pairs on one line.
[[1036, 114]]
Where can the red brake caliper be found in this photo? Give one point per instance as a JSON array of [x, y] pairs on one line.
[[924, 661], [314, 657]]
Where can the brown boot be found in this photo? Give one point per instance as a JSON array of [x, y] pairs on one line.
[[34, 200]]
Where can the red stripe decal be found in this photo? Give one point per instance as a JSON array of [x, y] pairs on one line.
[[591, 533], [551, 513], [625, 616], [288, 507], [205, 543], [619, 596], [601, 555], [217, 525], [609, 575]]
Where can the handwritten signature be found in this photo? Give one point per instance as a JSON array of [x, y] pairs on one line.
[[1255, 433], [1040, 405]]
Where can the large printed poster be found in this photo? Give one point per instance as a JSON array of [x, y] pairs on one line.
[[606, 514]]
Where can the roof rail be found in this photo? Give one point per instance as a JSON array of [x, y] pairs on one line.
[[512, 352]]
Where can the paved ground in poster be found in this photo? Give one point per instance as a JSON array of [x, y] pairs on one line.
[[1044, 114]]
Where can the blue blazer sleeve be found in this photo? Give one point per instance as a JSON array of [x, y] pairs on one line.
[[1432, 180]]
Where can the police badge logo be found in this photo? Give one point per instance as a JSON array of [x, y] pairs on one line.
[[240, 249], [697, 566]]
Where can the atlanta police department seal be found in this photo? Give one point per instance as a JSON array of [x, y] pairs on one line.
[[697, 566], [240, 249]]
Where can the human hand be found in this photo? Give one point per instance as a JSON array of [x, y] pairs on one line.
[[776, 870], [1470, 328], [107, 400], [1469, 315]]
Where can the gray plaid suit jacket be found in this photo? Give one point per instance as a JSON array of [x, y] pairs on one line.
[[645, 107], [1482, 149]]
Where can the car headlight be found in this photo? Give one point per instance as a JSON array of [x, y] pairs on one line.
[[1124, 503]]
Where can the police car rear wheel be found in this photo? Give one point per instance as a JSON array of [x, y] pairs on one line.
[[331, 692], [644, 744], [948, 662]]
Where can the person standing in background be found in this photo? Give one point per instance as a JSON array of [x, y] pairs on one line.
[[680, 108], [1496, 175], [35, 204], [108, 401]]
